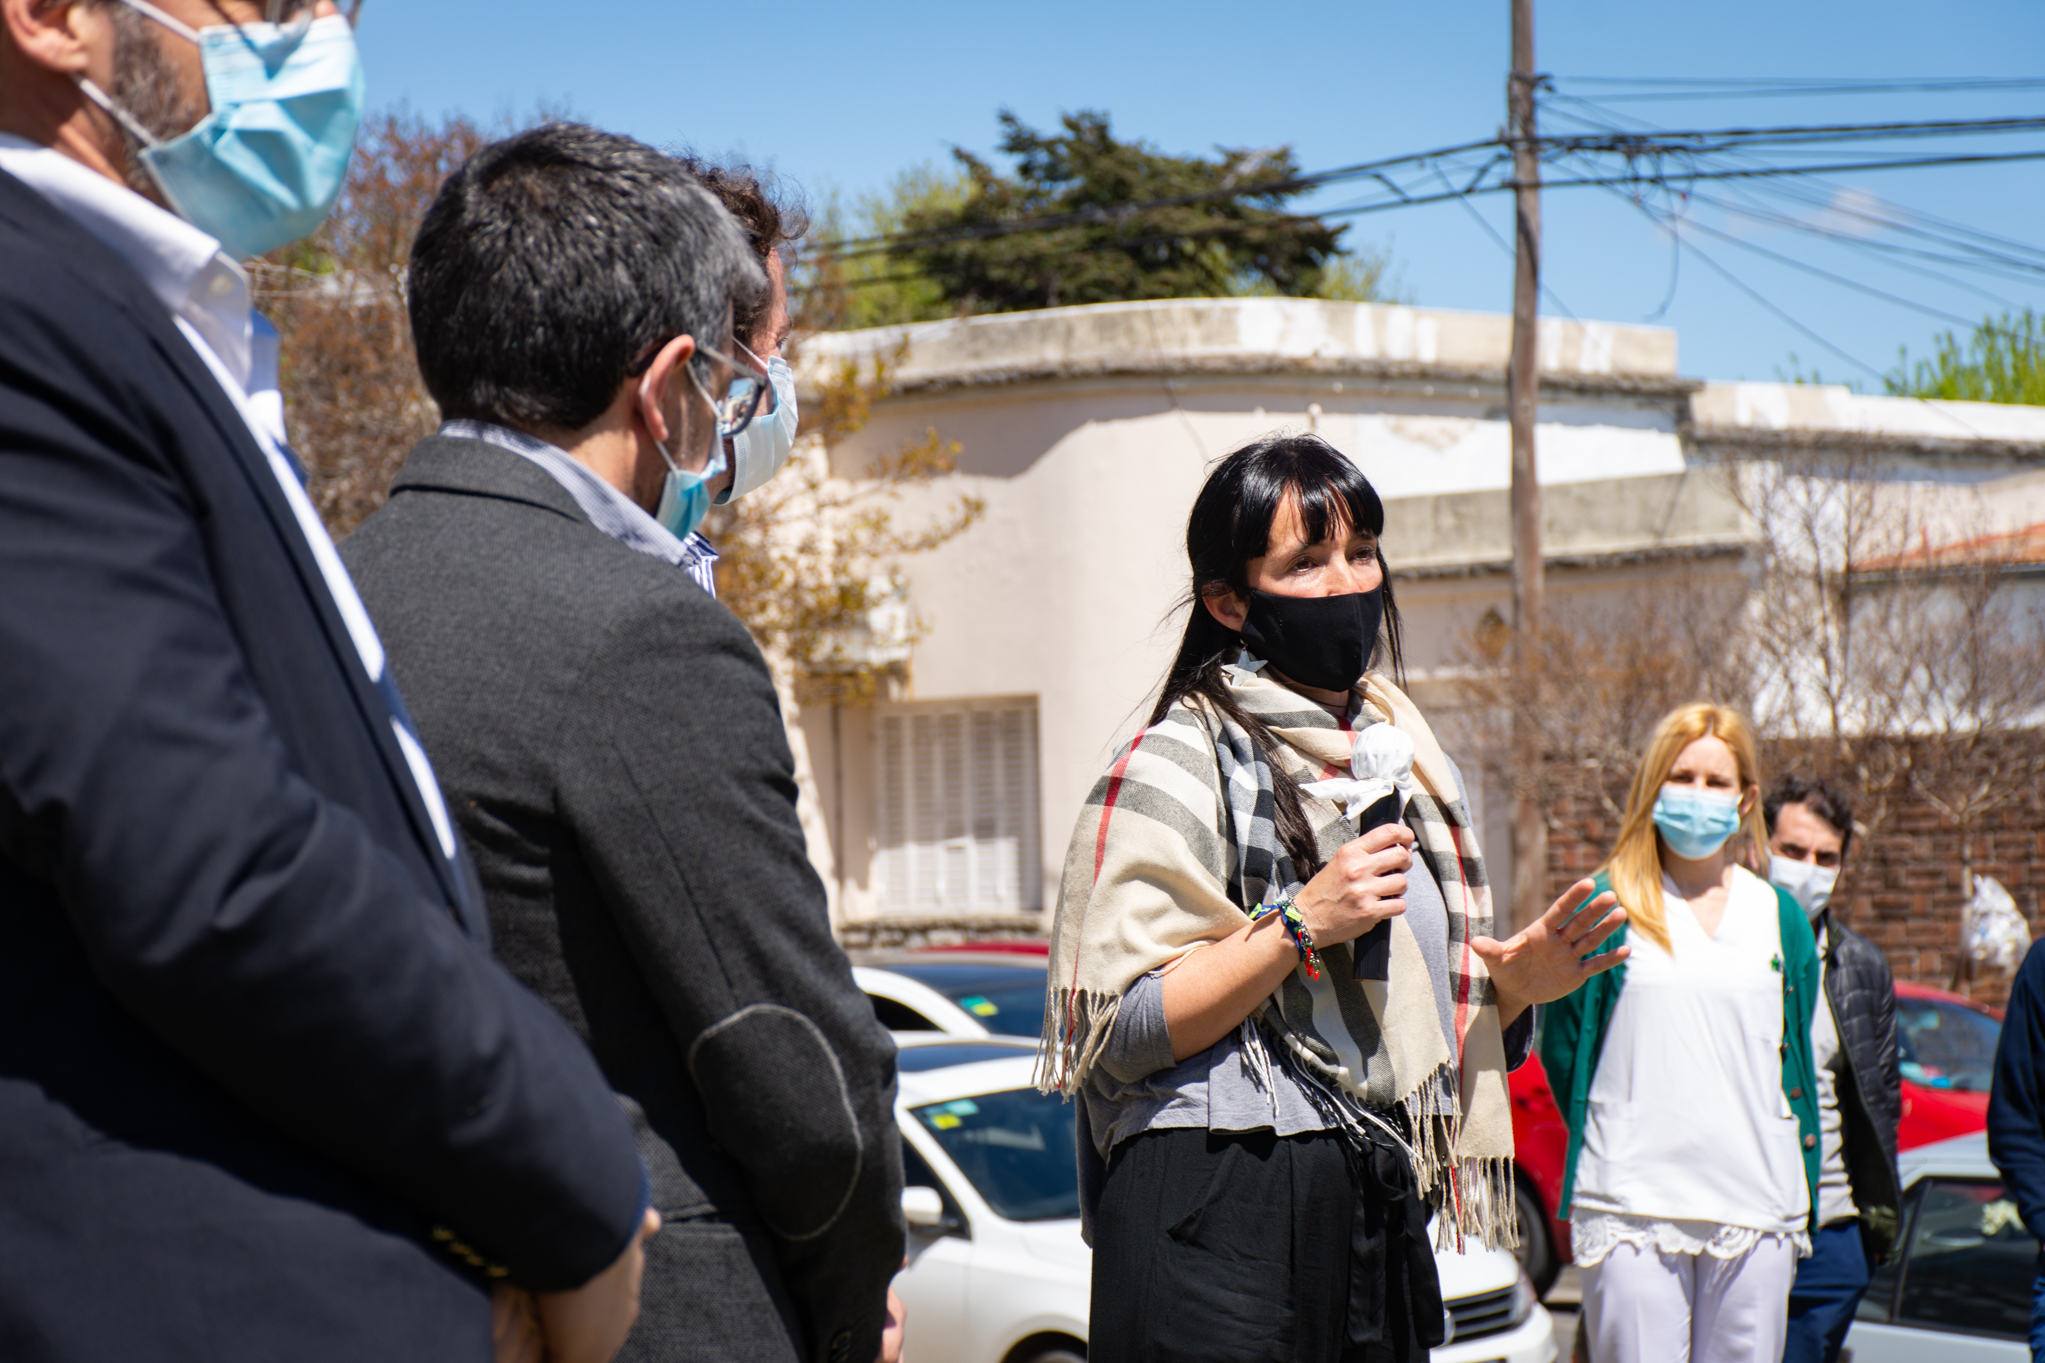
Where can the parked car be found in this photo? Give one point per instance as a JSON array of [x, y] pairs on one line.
[[998, 1272], [1960, 1290], [1945, 1045], [956, 992]]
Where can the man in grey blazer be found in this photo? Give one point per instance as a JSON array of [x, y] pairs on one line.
[[611, 742]]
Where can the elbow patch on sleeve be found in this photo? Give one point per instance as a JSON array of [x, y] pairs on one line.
[[777, 1100]]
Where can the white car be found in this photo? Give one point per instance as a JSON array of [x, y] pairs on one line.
[[1960, 1290], [956, 992], [997, 1272]]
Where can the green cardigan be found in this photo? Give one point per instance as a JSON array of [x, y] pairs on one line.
[[1573, 1037]]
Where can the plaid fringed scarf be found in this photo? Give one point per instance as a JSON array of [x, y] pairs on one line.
[[1178, 839]]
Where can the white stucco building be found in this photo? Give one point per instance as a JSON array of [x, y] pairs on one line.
[[1087, 432]]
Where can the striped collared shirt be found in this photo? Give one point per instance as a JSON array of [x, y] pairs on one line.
[[608, 509]]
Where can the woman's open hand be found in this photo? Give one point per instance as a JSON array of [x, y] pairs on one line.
[[1546, 961], [1360, 888]]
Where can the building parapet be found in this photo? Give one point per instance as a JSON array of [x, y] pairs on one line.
[[1768, 418], [1604, 523], [1239, 336], [885, 932]]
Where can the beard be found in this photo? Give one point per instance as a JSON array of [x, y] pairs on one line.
[[147, 86]]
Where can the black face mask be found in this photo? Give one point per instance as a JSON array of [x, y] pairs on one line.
[[1320, 641]]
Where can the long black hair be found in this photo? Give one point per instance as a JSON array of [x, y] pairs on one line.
[[1230, 525]]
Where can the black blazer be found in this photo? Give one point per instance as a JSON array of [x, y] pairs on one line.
[[612, 745], [253, 1048]]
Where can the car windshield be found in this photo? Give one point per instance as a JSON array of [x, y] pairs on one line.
[[1008, 999], [1945, 1045], [1016, 1149]]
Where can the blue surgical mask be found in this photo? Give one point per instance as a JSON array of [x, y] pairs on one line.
[[1695, 823], [762, 448], [685, 496], [266, 165]]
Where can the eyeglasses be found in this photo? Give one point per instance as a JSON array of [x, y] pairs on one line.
[[743, 401], [750, 393]]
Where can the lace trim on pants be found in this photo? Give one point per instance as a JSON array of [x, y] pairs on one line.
[[1594, 1234]]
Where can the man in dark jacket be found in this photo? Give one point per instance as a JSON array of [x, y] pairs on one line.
[[264, 1094], [1853, 1041], [610, 739], [2016, 1115]]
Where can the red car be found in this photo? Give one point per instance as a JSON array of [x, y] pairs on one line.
[[1946, 1047]]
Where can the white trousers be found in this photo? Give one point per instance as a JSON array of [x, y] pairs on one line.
[[1644, 1306]]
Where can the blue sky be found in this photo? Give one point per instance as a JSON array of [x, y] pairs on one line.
[[840, 97]]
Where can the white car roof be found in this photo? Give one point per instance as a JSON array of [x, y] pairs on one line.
[[944, 1068], [1960, 1157]]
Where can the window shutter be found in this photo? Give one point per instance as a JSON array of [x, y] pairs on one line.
[[955, 796]]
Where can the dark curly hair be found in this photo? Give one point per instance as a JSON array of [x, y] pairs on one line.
[[1821, 797], [768, 216]]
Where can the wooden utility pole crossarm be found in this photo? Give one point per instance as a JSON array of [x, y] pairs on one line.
[[1529, 820]]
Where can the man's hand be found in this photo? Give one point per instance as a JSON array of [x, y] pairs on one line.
[[515, 1326], [1546, 961], [891, 1333], [588, 1324]]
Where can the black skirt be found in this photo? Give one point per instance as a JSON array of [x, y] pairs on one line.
[[1248, 1246]]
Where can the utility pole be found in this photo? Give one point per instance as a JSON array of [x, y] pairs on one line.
[[1522, 388]]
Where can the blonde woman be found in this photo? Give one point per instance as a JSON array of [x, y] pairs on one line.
[[1685, 1074]]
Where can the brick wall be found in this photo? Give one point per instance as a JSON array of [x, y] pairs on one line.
[[1902, 891]]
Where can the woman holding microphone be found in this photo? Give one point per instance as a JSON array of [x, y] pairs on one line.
[[1685, 1076], [1263, 1135]]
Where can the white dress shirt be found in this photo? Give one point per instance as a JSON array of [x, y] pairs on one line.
[[207, 296], [608, 509]]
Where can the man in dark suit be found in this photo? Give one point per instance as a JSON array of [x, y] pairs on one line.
[[611, 741], [264, 1094]]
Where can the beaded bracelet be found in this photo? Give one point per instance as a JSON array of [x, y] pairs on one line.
[[1295, 925]]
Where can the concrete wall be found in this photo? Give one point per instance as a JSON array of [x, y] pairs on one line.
[[1087, 431]]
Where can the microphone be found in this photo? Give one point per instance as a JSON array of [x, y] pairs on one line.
[[1380, 777], [1374, 949]]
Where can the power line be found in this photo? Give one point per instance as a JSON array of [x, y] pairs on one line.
[[1634, 179], [1406, 200], [1763, 88], [1729, 81], [1880, 250], [1799, 190], [1506, 247], [1679, 142], [1736, 282], [1293, 184], [1795, 264], [1789, 135]]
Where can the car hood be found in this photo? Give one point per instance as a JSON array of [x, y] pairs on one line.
[[1475, 1272], [1055, 1242], [1961, 1157]]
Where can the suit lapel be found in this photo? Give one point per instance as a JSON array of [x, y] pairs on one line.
[[35, 215]]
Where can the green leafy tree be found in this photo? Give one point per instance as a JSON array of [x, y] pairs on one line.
[[2003, 361], [860, 284], [1126, 221]]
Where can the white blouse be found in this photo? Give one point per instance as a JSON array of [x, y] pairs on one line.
[[1689, 1144]]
